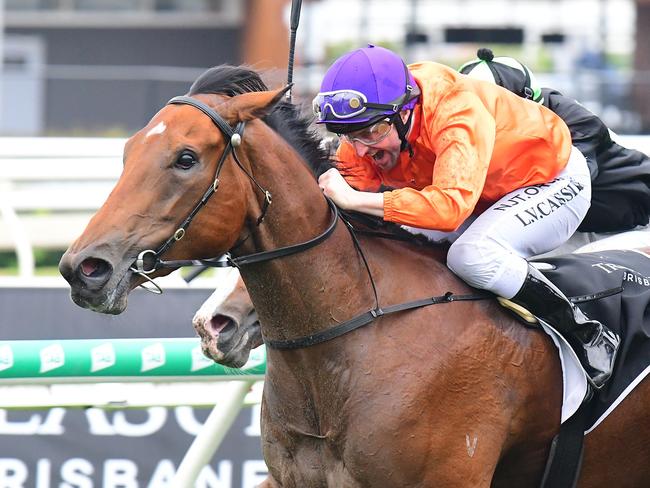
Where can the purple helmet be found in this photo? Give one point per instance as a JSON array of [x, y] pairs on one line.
[[363, 86]]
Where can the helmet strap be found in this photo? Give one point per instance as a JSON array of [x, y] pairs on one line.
[[402, 131]]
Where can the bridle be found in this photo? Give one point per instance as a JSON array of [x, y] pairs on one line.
[[149, 260], [234, 138]]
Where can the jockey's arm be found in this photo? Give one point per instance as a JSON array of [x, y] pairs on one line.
[[464, 139], [346, 197]]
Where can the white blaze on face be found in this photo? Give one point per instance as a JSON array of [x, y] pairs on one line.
[[158, 129], [226, 287]]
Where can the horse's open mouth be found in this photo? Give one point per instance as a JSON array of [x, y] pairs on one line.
[[237, 355], [228, 343]]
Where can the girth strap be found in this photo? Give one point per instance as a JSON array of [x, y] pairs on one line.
[[564, 461]]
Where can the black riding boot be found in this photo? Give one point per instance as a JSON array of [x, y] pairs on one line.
[[594, 344]]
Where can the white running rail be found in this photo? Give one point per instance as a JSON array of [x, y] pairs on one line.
[[50, 187]]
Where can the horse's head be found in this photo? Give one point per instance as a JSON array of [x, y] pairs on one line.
[[228, 325], [169, 167]]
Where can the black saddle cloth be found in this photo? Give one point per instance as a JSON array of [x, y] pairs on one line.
[[626, 311]]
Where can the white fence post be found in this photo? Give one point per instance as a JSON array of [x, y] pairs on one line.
[[214, 429], [23, 246]]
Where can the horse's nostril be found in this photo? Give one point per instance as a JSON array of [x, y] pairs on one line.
[[94, 267], [219, 323]]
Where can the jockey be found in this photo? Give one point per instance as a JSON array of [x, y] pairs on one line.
[[620, 177], [496, 175]]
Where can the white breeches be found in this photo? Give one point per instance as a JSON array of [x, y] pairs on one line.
[[490, 252]]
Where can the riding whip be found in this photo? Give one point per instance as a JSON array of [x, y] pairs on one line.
[[295, 19]]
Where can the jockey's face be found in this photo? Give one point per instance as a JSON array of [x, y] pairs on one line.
[[384, 153]]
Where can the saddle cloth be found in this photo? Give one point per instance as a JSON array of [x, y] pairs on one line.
[[624, 279]]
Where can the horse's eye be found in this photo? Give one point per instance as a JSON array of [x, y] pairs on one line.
[[186, 160]]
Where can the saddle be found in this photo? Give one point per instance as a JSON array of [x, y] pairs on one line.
[[614, 288]]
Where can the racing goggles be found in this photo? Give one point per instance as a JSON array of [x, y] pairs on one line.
[[373, 134], [345, 104]]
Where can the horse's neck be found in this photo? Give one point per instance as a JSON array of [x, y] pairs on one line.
[[314, 290], [308, 291]]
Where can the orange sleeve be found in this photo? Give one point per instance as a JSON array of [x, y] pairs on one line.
[[360, 173], [461, 132]]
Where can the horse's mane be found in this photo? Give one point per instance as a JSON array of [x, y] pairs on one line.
[[285, 118]]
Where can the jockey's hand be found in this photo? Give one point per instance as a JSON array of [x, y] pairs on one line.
[[347, 198], [335, 187]]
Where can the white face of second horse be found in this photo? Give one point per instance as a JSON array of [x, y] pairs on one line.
[[227, 284], [227, 322]]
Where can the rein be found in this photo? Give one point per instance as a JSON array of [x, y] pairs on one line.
[[234, 136], [227, 261]]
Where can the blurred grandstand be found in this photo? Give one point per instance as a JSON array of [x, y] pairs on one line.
[[100, 67], [104, 67]]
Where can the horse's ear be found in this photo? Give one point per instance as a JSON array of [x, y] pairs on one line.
[[253, 105]]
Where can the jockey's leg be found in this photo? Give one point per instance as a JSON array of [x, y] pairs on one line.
[[491, 254], [595, 344]]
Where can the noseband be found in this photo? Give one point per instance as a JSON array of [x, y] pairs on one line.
[[234, 138]]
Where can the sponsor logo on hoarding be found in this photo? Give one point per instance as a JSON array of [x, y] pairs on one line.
[[153, 357], [52, 357], [199, 361], [102, 357], [6, 357]]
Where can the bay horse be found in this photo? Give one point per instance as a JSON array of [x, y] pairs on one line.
[[452, 395]]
